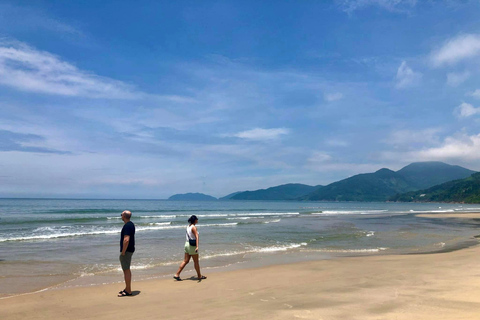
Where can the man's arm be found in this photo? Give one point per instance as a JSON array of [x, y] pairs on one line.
[[126, 240]]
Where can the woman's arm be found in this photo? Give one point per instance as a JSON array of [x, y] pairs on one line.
[[195, 233]]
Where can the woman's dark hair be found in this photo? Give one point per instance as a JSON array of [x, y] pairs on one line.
[[192, 219]]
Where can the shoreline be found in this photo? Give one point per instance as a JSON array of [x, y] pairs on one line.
[[261, 261], [420, 286]]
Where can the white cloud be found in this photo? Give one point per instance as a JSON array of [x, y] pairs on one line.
[[262, 134], [462, 147], [391, 5], [333, 96], [406, 77], [475, 94], [28, 69], [466, 110], [455, 79], [318, 158], [457, 49]]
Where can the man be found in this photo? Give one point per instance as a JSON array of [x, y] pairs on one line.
[[127, 247]]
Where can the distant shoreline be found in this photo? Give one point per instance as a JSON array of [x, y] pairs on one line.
[[464, 215]]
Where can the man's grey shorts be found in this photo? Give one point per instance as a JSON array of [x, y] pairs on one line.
[[126, 260]]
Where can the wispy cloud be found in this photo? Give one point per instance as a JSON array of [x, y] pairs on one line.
[[350, 6], [320, 161], [319, 158], [260, 134], [13, 141], [337, 143], [475, 94], [333, 96], [456, 49], [34, 19], [406, 77], [455, 79], [410, 138], [27, 69], [466, 110]]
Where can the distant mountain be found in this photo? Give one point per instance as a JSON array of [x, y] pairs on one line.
[[422, 175], [229, 196], [289, 191], [463, 190], [192, 197], [376, 186], [385, 183]]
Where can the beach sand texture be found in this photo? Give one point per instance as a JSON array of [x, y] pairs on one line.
[[425, 286]]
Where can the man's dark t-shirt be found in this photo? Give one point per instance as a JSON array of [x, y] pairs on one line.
[[128, 230]]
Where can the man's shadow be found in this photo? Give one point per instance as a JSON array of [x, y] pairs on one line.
[[134, 293]]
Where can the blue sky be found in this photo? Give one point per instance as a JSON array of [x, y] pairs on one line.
[[124, 99]]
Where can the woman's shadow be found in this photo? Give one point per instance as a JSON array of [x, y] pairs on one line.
[[193, 278]]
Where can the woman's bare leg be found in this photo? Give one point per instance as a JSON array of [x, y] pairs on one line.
[[197, 265], [185, 261]]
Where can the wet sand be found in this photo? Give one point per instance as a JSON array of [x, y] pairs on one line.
[[424, 286], [450, 215]]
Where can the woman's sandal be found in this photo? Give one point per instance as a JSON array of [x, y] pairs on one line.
[[177, 278], [202, 278]]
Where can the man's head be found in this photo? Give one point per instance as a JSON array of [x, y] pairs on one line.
[[126, 215]]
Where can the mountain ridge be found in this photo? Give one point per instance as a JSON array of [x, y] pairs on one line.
[[385, 183], [381, 185], [289, 191]]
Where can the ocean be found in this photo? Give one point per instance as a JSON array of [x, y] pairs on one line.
[[55, 243]]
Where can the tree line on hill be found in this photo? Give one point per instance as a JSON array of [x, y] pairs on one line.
[[420, 182]]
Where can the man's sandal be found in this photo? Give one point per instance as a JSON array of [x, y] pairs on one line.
[[124, 294]]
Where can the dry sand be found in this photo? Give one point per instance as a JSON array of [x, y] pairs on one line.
[[428, 286]]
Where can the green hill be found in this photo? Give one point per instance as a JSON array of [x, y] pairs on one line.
[[463, 190], [192, 197], [377, 186], [385, 183], [284, 192], [422, 175], [230, 196]]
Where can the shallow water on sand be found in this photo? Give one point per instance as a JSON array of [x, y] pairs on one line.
[[51, 243]]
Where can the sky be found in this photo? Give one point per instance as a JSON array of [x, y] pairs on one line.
[[146, 99]]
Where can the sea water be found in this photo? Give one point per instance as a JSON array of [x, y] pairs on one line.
[[55, 243]]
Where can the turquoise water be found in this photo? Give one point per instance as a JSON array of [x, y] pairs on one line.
[[57, 243]]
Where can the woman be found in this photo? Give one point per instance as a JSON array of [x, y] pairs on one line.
[[191, 249]]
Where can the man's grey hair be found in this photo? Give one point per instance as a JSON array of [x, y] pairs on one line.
[[127, 214]]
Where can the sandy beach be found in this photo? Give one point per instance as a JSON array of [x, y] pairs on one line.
[[456, 215], [426, 286]]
